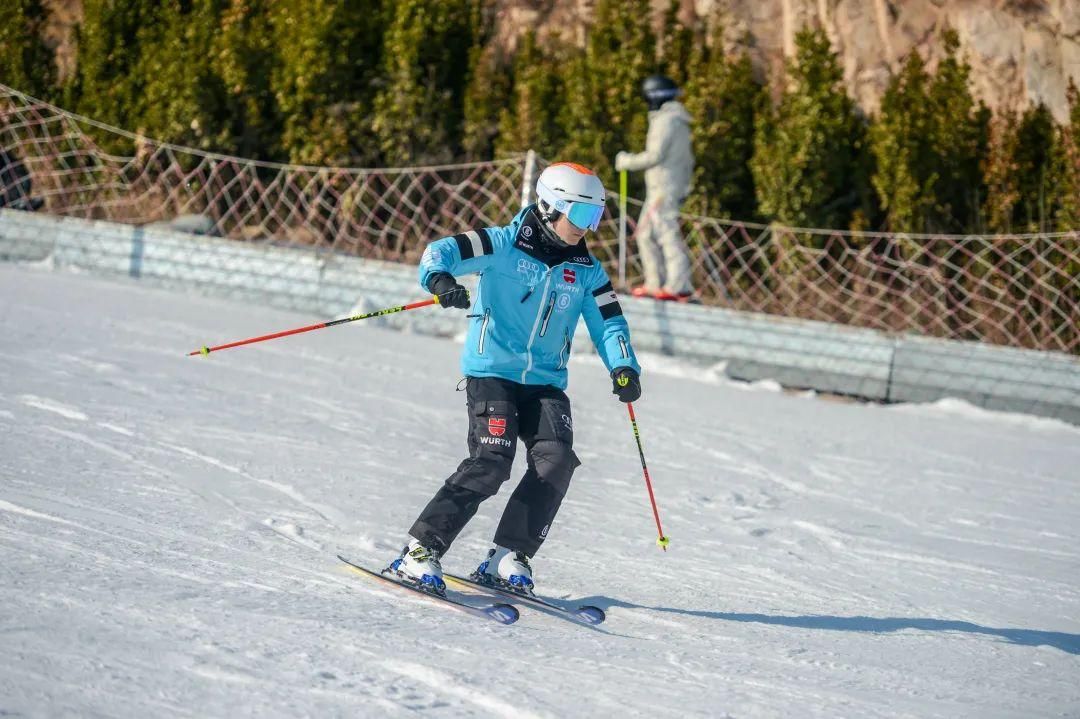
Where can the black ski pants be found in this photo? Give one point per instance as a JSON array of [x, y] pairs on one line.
[[501, 412]]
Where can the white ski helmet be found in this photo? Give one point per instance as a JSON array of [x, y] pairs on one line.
[[572, 190]]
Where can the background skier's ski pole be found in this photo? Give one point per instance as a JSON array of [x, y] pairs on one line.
[[298, 330], [662, 540], [622, 230]]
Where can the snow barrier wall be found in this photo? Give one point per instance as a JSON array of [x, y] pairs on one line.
[[797, 353]]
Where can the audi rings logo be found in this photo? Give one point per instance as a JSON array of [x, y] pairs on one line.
[[530, 270]]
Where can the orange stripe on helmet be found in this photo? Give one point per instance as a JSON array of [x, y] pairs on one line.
[[574, 166]]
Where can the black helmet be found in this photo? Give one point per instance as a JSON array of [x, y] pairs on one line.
[[658, 89]]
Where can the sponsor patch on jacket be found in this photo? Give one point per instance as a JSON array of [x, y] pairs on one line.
[[529, 271], [569, 276], [434, 256]]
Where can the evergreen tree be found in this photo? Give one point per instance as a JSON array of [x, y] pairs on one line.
[[328, 59], [530, 120], [604, 112], [245, 60], [806, 149], [1066, 168], [1062, 262], [1002, 173], [108, 85], [901, 145], [485, 96], [418, 114], [678, 43], [26, 62], [721, 95], [1019, 170], [581, 118], [489, 88], [1035, 154], [183, 97], [929, 143], [960, 131]]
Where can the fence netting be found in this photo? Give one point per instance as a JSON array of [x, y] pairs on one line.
[[1020, 290]]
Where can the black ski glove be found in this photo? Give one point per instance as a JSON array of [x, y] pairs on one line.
[[449, 291], [626, 384]]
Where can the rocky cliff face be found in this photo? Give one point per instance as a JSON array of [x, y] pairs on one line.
[[1021, 51]]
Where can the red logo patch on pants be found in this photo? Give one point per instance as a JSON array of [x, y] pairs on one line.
[[569, 276], [497, 426]]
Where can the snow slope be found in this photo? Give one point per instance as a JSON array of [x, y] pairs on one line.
[[168, 528]]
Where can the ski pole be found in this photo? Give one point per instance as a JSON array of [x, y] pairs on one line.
[[661, 541], [309, 328], [622, 230]]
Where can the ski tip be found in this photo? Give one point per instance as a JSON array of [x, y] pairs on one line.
[[591, 615], [503, 613]]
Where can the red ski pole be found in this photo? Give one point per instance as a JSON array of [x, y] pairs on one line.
[[662, 541], [309, 328]]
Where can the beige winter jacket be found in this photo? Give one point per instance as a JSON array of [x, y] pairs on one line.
[[668, 159]]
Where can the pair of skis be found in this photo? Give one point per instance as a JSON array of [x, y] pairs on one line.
[[501, 612]]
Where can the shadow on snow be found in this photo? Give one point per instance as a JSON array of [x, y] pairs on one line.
[[874, 625]]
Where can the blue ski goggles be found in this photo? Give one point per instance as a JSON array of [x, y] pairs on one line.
[[583, 216]]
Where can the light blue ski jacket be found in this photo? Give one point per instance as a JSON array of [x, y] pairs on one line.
[[528, 302]]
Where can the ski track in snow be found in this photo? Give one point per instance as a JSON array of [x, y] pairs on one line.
[[50, 405], [290, 492], [445, 684], [169, 524], [9, 507]]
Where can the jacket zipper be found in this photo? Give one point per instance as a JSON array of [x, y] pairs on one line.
[[483, 331], [547, 315], [532, 335], [565, 350], [622, 347]]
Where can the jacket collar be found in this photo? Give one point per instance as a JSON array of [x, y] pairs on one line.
[[530, 239]]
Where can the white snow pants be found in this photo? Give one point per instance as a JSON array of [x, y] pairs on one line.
[[664, 256]]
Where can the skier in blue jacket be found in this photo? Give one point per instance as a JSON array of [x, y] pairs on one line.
[[537, 278]]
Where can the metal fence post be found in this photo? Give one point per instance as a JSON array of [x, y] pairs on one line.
[[527, 179]]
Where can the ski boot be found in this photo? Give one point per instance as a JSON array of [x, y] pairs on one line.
[[420, 566], [505, 568]]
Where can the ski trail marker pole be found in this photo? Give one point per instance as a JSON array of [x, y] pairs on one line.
[[378, 313], [662, 541]]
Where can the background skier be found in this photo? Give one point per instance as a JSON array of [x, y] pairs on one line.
[[537, 278], [668, 162]]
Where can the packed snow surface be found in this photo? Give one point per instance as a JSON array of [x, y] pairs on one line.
[[168, 526]]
